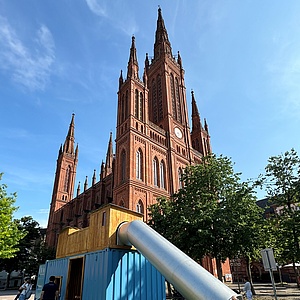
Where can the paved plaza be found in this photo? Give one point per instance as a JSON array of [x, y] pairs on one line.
[[11, 294], [263, 292]]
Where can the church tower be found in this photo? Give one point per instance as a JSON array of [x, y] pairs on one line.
[[153, 139], [153, 143], [200, 136], [64, 179]]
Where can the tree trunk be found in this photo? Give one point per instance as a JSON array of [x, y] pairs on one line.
[[219, 269], [296, 274], [250, 275]]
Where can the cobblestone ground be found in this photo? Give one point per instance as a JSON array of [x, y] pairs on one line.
[[263, 291], [266, 292], [10, 295], [287, 297]]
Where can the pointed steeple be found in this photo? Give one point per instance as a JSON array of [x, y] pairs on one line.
[[76, 152], [69, 142], [60, 151], [147, 62], [205, 125], [145, 78], [196, 122], [64, 181], [109, 157], [179, 61], [102, 170], [94, 178], [121, 80], [78, 189], [85, 183], [133, 66], [162, 46], [199, 135]]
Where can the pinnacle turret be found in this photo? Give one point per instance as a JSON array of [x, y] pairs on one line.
[[78, 189], [102, 170], [133, 66], [69, 142], [109, 157], [121, 80], [196, 122], [162, 44], [85, 183], [205, 126], [94, 178]]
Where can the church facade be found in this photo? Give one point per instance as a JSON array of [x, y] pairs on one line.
[[153, 144]]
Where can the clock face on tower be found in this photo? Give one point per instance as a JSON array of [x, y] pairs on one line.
[[178, 132]]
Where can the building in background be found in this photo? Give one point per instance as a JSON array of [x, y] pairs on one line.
[[153, 144]]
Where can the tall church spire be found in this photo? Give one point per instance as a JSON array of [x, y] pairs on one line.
[[199, 135], [196, 121], [109, 157], [162, 45], [133, 66], [64, 180], [69, 142], [121, 80]]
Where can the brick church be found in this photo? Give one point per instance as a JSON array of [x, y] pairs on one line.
[[153, 144]]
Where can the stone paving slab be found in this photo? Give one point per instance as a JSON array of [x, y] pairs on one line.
[[265, 291], [11, 294]]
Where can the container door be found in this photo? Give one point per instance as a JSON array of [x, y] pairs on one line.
[[74, 286], [58, 281]]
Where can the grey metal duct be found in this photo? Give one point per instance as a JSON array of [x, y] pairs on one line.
[[188, 277]]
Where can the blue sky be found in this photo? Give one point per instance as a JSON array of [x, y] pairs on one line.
[[58, 57]]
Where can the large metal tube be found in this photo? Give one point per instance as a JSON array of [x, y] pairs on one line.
[[187, 276]]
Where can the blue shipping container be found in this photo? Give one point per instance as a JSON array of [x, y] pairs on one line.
[[109, 274]]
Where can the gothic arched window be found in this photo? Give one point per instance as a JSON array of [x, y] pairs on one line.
[[126, 105], [136, 102], [67, 179], [162, 173], [180, 178], [123, 165], [155, 171], [139, 164], [141, 107], [154, 102], [174, 110], [140, 207], [123, 108], [178, 104], [159, 99]]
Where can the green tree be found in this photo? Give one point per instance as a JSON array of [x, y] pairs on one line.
[[32, 249], [282, 183], [213, 214], [10, 234]]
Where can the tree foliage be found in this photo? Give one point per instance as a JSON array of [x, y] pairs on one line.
[[282, 183], [32, 249], [10, 234], [213, 214]]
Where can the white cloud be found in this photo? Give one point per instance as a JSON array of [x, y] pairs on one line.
[[29, 66], [27, 179], [43, 211], [116, 15], [96, 8]]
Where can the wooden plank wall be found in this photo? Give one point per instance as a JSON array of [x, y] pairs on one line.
[[101, 233]]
